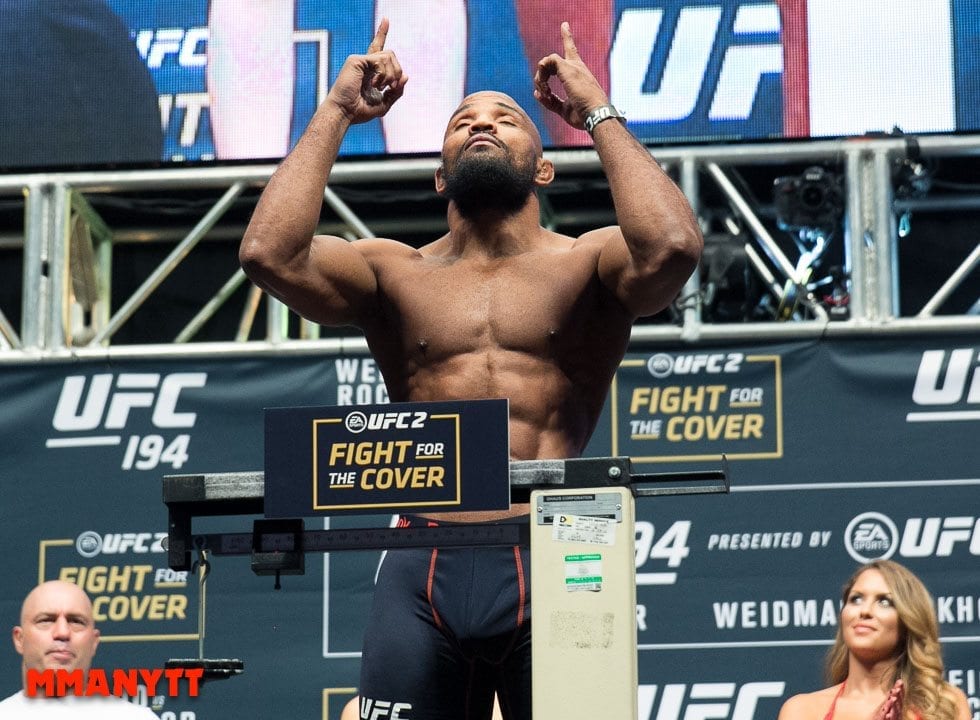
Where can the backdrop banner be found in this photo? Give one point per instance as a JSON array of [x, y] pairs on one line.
[[199, 81], [840, 452]]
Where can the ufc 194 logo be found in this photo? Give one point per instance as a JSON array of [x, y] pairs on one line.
[[90, 409], [669, 546]]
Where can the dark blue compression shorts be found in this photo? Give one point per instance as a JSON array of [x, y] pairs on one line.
[[448, 628]]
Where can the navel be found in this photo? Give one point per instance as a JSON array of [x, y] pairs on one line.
[[423, 345]]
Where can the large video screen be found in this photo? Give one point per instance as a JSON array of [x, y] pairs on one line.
[[95, 83]]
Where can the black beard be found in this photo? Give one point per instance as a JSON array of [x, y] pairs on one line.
[[482, 184]]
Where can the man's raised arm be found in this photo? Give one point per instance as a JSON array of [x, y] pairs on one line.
[[657, 245], [323, 278]]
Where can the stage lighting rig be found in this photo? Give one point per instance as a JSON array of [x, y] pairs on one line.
[[811, 207], [731, 291], [912, 177]]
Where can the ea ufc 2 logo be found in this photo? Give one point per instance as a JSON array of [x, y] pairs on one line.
[[109, 403]]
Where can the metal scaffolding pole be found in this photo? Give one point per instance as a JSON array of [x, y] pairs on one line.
[[171, 262], [870, 242]]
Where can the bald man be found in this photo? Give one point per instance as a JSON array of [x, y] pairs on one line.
[[57, 632], [498, 307]]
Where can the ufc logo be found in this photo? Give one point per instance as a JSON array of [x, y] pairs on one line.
[[109, 404]]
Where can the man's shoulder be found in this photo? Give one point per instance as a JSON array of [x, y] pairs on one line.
[[80, 708], [111, 708], [384, 244], [12, 699], [598, 236], [114, 708], [382, 248]]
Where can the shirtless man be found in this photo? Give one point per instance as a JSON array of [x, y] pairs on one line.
[[499, 307]]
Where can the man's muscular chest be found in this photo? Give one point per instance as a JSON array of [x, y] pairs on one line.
[[517, 304]]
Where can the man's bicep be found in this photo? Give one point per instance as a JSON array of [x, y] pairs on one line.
[[645, 279], [331, 283], [343, 283]]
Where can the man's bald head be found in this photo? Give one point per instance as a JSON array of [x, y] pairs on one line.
[[57, 629], [505, 101], [59, 590]]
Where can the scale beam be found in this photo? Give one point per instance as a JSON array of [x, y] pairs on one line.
[[582, 499], [243, 493]]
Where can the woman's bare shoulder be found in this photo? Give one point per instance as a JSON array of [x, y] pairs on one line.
[[809, 706], [963, 711]]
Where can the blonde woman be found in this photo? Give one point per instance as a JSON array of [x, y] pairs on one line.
[[886, 662]]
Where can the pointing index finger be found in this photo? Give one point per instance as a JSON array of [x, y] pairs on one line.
[[571, 52], [378, 43]]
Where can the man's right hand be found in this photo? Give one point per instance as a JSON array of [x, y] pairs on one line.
[[368, 85]]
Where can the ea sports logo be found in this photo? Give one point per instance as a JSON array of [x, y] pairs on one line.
[[88, 544], [660, 365], [871, 536], [356, 421]]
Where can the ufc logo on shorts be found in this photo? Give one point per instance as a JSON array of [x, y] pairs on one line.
[[384, 710]]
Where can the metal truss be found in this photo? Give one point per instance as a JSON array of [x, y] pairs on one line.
[[68, 249]]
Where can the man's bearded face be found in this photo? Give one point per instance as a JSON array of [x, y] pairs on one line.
[[481, 182]]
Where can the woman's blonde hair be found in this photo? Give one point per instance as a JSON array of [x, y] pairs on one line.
[[918, 656]]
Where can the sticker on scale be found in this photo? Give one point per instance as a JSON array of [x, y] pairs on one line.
[[583, 572], [584, 529]]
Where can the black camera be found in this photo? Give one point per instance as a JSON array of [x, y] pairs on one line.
[[814, 199]]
